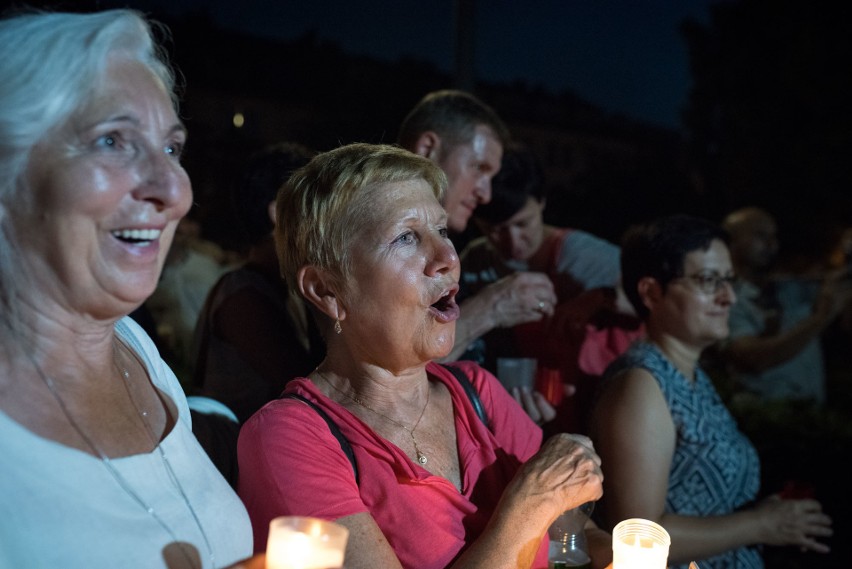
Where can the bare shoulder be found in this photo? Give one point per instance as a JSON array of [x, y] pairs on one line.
[[633, 386], [630, 399]]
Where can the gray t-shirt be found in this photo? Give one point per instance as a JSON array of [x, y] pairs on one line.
[[803, 375]]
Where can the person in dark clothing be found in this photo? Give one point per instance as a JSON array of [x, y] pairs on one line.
[[252, 334]]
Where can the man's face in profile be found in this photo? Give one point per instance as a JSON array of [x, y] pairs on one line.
[[469, 168]]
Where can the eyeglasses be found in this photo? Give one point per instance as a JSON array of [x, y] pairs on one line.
[[710, 283]]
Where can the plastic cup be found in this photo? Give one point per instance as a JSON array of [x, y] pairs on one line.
[[517, 372]]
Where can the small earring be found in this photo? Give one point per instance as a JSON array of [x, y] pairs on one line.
[[337, 328]]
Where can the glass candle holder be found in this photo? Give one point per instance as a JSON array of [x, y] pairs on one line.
[[298, 542]]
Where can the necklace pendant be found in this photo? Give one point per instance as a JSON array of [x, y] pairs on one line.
[[421, 458]]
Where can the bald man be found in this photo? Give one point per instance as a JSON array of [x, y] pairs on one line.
[[774, 346]]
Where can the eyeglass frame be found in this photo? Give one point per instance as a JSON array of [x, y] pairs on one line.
[[704, 280]]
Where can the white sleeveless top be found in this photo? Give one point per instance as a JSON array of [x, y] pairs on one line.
[[60, 507]]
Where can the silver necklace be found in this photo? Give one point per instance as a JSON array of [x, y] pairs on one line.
[[421, 458], [120, 480]]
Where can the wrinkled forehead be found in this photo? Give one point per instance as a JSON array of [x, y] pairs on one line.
[[126, 88], [389, 202]]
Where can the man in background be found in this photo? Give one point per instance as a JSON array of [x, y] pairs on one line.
[[466, 138]]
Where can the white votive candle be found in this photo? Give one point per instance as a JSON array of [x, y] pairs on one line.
[[639, 544], [297, 542]]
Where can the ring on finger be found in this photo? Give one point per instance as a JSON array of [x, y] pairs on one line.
[[540, 305]]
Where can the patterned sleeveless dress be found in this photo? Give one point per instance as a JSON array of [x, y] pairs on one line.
[[715, 469]]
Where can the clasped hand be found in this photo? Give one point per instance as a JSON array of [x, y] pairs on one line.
[[563, 474], [522, 297]]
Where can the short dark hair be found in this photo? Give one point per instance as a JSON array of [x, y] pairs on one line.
[[521, 176], [453, 115], [658, 249], [258, 185]]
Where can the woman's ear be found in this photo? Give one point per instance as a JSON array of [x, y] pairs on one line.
[[316, 285], [650, 291]]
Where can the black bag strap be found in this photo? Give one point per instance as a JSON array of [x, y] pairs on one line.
[[332, 426], [460, 376], [471, 393]]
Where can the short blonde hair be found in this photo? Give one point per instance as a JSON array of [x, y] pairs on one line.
[[326, 205]]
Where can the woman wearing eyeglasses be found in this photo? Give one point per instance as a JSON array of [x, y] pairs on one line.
[[671, 451]]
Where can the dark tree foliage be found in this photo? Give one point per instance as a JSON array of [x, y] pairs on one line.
[[769, 113]]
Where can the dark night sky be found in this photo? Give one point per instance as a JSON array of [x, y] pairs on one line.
[[625, 56]]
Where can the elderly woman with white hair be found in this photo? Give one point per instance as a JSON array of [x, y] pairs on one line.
[[100, 466]]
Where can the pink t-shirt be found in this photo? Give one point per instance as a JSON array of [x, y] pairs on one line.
[[291, 464]]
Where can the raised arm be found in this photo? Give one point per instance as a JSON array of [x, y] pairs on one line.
[[515, 299], [757, 353]]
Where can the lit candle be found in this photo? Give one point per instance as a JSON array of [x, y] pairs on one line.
[[305, 543], [639, 544]]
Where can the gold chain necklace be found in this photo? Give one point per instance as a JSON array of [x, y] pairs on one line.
[[117, 476], [421, 458]]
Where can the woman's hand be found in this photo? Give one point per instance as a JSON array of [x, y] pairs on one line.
[[535, 404], [563, 474], [794, 522], [521, 297]]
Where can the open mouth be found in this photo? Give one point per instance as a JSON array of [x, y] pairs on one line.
[[137, 236], [446, 307]]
